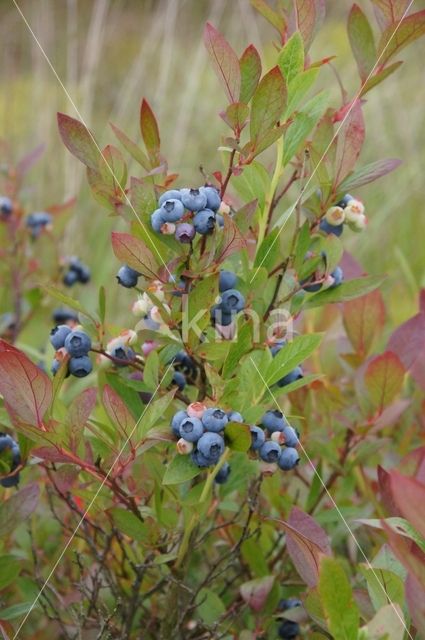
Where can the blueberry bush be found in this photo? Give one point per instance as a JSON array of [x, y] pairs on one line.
[[243, 457]]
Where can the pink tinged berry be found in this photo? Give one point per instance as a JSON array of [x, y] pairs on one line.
[[148, 346], [140, 308], [359, 223], [335, 216], [184, 447], [185, 232], [354, 209], [278, 436], [168, 228], [196, 410], [268, 468]]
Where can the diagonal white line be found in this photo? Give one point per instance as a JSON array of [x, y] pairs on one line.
[[350, 531], [55, 566], [55, 73], [353, 103]]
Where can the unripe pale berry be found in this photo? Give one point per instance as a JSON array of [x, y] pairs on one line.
[[335, 216], [184, 447], [196, 410], [140, 308], [353, 209]]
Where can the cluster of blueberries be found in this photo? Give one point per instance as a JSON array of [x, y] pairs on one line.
[[288, 629], [200, 432], [185, 212], [231, 300], [319, 280], [9, 446], [348, 210], [76, 272], [37, 222], [76, 344], [185, 370], [6, 207]]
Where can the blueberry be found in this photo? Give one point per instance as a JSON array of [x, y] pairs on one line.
[[185, 232], [277, 347], [127, 277], [289, 603], [235, 416], [70, 278], [214, 420], [191, 429], [121, 352], [227, 280], [6, 206], [274, 421], [80, 366], [218, 316], [55, 367], [172, 210], [211, 446], [77, 344], [291, 436], [58, 335], [329, 228], [82, 271], [64, 315], [223, 474], [344, 201], [16, 461], [173, 194], [157, 220], [213, 197], [193, 199], [6, 442], [37, 221], [258, 437], [204, 222], [219, 220], [288, 459], [295, 374], [200, 460], [289, 630], [311, 288], [270, 451], [232, 300], [176, 422], [183, 362], [338, 276], [179, 380]]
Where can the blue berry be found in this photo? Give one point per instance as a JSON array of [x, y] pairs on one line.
[[36, 222], [213, 197], [64, 315], [232, 300], [211, 445], [214, 420], [289, 630], [289, 603], [122, 353], [277, 347], [258, 437], [70, 278], [127, 277], [344, 201], [311, 288], [80, 366], [172, 210], [338, 276], [218, 316], [219, 220], [288, 459], [82, 271], [176, 422], [179, 380], [185, 232], [274, 421], [235, 416], [193, 199], [200, 460], [191, 429], [227, 280], [58, 335], [183, 361], [173, 194], [291, 436], [157, 220], [7, 443], [204, 222], [6, 206], [329, 228], [292, 376], [55, 367], [223, 474], [270, 451], [77, 344]]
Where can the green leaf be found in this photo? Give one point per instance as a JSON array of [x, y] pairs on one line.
[[298, 89], [133, 252], [113, 168], [196, 306], [130, 397], [275, 18], [79, 140], [238, 348], [68, 301], [17, 610], [225, 61], [411, 28], [128, 523], [368, 173], [268, 104], [269, 251], [132, 148], [383, 586], [180, 469], [209, 606], [291, 57], [155, 412], [346, 291], [238, 436], [304, 122], [387, 624], [291, 355], [253, 183], [151, 370], [377, 78], [302, 245], [10, 568], [384, 378], [250, 67], [18, 508], [298, 384], [236, 116], [339, 606], [361, 40], [102, 304], [150, 132]]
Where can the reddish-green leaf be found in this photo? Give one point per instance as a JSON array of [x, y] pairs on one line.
[[377, 78], [117, 411], [305, 525], [26, 389], [368, 173], [415, 597], [409, 496], [79, 140], [232, 239], [78, 414], [291, 58], [18, 508], [363, 318], [392, 42], [307, 17], [350, 141], [132, 148], [250, 67], [134, 253], [384, 379], [392, 10], [361, 40], [255, 592], [408, 340], [407, 552], [225, 61], [273, 17], [268, 104], [113, 168], [150, 132], [337, 599], [236, 116]]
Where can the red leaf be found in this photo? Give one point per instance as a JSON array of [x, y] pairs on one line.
[[79, 140], [268, 104], [363, 318], [415, 597], [407, 552], [26, 389], [117, 411], [225, 61], [384, 482], [232, 240], [250, 66], [408, 340], [392, 10], [384, 379], [255, 592], [361, 40], [306, 17], [150, 132], [411, 28], [18, 508], [349, 143], [133, 252], [78, 414], [409, 496]]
